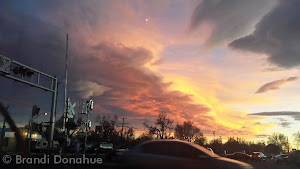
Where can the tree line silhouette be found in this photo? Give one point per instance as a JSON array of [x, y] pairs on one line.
[[163, 128]]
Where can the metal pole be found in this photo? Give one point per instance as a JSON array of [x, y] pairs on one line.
[[3, 131], [30, 135], [66, 100], [66, 85], [85, 139], [52, 115]]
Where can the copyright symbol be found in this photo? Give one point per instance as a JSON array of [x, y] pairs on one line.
[[6, 159]]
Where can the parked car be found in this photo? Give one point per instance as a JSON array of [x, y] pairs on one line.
[[280, 158], [294, 157], [238, 156], [258, 156], [163, 154], [102, 148], [116, 154]]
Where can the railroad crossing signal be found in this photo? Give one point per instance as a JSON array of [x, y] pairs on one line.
[[6, 62], [70, 110]]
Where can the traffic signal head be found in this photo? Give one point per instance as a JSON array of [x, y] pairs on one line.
[[35, 110], [29, 73], [23, 71], [89, 105], [88, 124]]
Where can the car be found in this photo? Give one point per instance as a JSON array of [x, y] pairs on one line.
[[102, 148], [280, 158], [294, 157], [211, 150], [257, 156], [173, 154], [238, 156], [116, 154]]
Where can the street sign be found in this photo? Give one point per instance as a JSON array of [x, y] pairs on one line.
[[5, 66]]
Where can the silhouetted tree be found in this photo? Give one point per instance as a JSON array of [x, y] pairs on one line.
[[297, 139], [233, 145], [216, 145], [279, 140], [162, 124], [187, 131], [272, 149], [108, 125], [129, 134], [258, 146]]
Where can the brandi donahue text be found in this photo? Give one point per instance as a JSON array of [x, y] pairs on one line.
[[57, 159]]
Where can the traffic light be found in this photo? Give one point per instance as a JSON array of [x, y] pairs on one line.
[[88, 124], [89, 106], [29, 73], [35, 110], [23, 71]]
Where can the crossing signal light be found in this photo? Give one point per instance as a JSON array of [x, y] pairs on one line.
[[88, 124], [89, 106], [29, 73], [23, 71]]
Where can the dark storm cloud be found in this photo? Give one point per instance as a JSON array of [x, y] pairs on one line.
[[277, 35], [274, 85], [230, 18], [113, 74], [30, 40], [294, 114]]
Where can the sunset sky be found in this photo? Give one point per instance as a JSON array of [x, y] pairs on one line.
[[229, 66]]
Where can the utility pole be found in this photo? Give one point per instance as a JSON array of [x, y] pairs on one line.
[[86, 131], [3, 130], [123, 126], [65, 94]]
